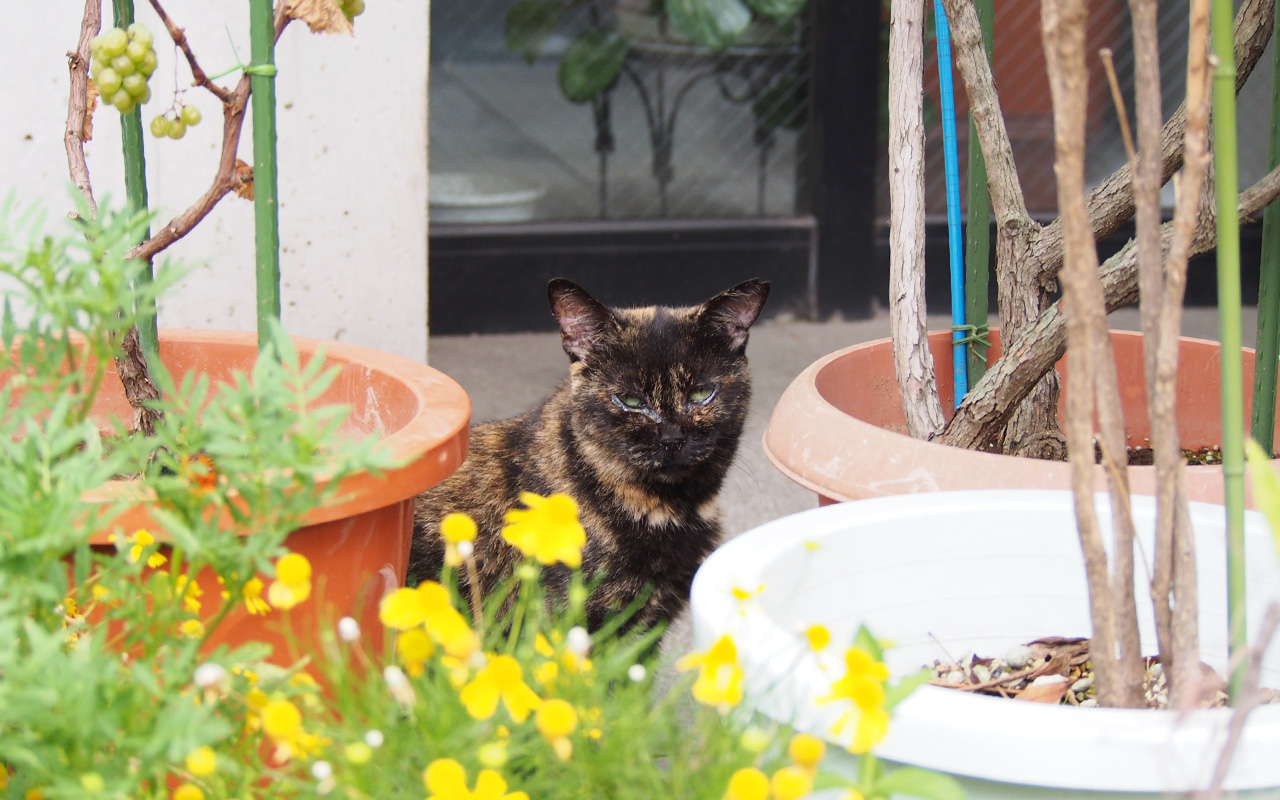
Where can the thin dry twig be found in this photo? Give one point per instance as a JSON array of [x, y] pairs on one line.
[[226, 179], [1109, 67], [1115, 649], [179, 37], [1249, 700], [78, 102]]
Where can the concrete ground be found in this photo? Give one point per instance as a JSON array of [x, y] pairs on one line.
[[507, 373]]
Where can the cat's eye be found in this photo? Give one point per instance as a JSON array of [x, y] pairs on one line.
[[702, 394], [629, 401]]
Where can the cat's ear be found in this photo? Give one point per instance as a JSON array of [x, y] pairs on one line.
[[583, 319], [734, 310]]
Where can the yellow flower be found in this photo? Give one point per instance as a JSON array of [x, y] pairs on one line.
[[429, 605], [819, 637], [862, 685], [502, 679], [748, 783], [252, 594], [188, 791], [806, 751], [414, 648], [92, 782], [191, 628], [548, 530], [546, 673], [282, 721], [141, 540], [189, 592], [445, 779], [555, 720], [719, 678], [456, 528], [791, 783], [202, 761], [293, 581]]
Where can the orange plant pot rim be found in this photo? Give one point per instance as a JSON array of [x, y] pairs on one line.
[[422, 414]]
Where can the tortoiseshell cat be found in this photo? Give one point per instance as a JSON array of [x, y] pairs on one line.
[[641, 435]]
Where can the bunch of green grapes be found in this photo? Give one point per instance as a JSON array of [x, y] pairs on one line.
[[174, 124], [122, 62], [351, 8]]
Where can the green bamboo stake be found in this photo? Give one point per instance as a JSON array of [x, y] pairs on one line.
[[266, 209], [977, 257], [1226, 186], [1268, 343], [135, 187]]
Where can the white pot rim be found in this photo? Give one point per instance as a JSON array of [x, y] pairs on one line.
[[955, 731]]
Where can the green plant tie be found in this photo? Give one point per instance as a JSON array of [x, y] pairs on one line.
[[977, 335]]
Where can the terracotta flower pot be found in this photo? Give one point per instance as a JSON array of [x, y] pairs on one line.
[[358, 545], [839, 428]]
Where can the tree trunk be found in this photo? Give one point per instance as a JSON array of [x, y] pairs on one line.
[[913, 363]]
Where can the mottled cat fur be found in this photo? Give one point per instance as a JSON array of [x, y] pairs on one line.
[[622, 435]]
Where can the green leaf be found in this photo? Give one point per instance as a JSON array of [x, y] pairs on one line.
[[863, 640], [778, 9], [920, 783], [591, 64], [1266, 486], [902, 689], [528, 24], [717, 24]]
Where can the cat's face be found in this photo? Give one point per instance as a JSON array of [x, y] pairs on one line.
[[659, 392]]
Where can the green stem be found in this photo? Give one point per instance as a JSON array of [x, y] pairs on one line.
[[868, 773], [1226, 182], [1268, 344], [977, 257], [266, 211], [135, 187]]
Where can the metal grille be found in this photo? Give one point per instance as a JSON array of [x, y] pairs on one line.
[[684, 131], [1024, 98]]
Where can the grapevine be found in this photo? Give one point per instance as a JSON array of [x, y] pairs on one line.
[[122, 62]]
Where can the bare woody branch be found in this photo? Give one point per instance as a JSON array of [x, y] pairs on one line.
[[179, 37], [78, 102], [986, 409], [1111, 202], [1173, 515], [1249, 700], [913, 364], [227, 178], [1007, 201]]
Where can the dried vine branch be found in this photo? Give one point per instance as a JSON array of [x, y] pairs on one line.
[[179, 36], [78, 102], [227, 178]]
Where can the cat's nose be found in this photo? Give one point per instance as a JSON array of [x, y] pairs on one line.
[[670, 434]]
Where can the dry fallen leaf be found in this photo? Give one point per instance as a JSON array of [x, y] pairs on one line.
[[321, 16], [91, 105], [243, 183], [1044, 692]]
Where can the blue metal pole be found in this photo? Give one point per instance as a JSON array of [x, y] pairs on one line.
[[955, 240]]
